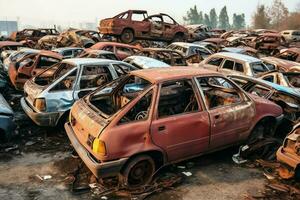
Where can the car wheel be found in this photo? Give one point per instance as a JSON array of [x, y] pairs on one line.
[[261, 130], [138, 172], [178, 38], [127, 36]]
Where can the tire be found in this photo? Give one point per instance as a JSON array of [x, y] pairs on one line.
[[261, 130], [138, 172], [178, 38], [127, 36]]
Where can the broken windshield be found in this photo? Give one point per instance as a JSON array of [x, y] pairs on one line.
[[53, 73], [114, 96]]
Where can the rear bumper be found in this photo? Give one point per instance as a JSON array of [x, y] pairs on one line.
[[287, 158], [100, 170], [41, 118]]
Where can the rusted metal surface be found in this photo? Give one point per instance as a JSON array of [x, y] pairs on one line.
[[292, 54], [153, 27], [32, 34], [281, 64]]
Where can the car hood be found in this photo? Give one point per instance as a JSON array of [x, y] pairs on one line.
[[4, 107]]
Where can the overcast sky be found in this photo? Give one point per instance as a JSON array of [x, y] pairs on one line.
[[36, 12]]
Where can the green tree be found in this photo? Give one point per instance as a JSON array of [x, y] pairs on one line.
[[206, 20], [193, 16], [224, 19], [238, 21], [213, 18], [278, 13], [261, 19]]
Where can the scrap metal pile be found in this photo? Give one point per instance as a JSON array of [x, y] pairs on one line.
[[136, 97]]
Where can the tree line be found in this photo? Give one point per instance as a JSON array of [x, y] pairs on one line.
[[212, 20], [276, 16]]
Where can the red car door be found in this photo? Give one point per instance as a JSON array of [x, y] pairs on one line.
[[180, 126], [231, 112]]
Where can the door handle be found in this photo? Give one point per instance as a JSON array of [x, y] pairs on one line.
[[161, 128]]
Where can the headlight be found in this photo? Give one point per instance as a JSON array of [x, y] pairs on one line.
[[99, 146], [40, 104]]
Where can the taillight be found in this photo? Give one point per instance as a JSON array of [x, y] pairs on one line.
[[99, 146], [72, 120], [40, 104]]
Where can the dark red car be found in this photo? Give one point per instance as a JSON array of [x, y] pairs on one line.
[[121, 50], [151, 118], [135, 24]]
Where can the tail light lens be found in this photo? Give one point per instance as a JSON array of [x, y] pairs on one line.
[[40, 104], [99, 146]]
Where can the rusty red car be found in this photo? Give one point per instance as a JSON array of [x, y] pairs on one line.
[[135, 24], [25, 68], [121, 50], [151, 118]]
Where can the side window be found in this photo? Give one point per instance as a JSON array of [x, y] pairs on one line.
[[67, 83], [122, 69], [260, 91], [218, 92], [269, 78], [215, 61], [228, 64], [45, 62], [94, 76], [124, 50], [108, 48], [67, 53], [270, 66], [258, 68], [124, 16], [77, 52], [140, 111], [238, 67], [177, 97], [168, 20], [137, 17]]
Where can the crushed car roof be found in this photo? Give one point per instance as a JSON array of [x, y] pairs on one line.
[[238, 56], [146, 62], [162, 74], [10, 43], [80, 61]]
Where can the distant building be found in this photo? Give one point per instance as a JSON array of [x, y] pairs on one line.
[[7, 27]]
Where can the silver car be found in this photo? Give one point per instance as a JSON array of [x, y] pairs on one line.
[[235, 63], [50, 95]]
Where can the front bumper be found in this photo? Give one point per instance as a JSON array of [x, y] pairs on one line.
[[41, 118], [100, 170]]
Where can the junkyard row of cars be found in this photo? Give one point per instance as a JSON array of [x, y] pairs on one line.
[[130, 109]]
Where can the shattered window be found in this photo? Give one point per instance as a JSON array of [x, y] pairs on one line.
[[67, 83], [177, 97], [260, 90], [94, 76], [110, 100], [269, 78], [215, 61], [124, 50], [137, 17], [45, 62], [124, 16], [108, 48], [123, 69], [228, 64], [168, 20], [67, 53], [258, 68], [140, 111], [218, 92], [239, 67]]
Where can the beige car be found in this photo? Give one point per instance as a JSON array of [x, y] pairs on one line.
[[229, 63]]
